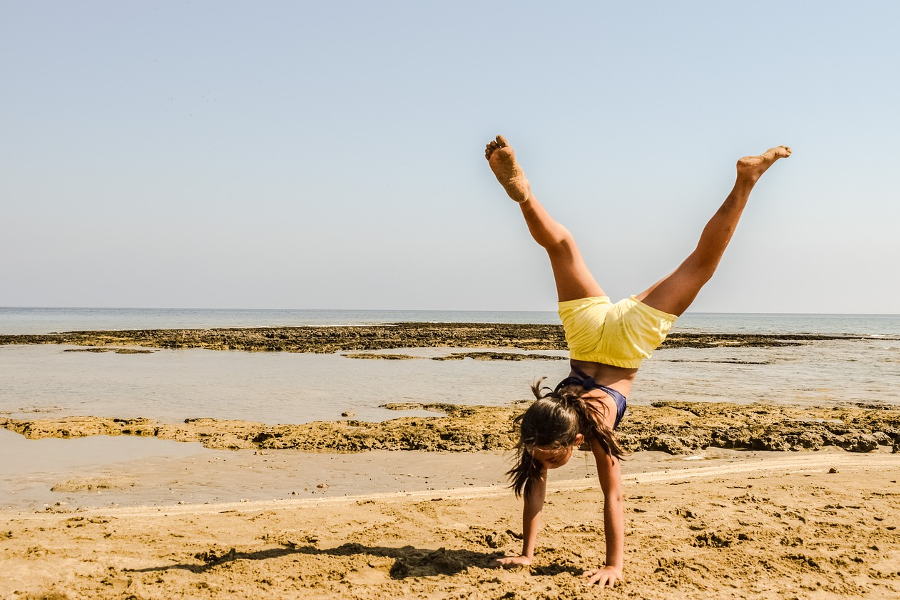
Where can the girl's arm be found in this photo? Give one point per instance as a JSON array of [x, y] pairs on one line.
[[610, 476], [531, 514], [531, 522]]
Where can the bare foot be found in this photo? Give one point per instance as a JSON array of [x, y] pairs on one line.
[[508, 172], [752, 167]]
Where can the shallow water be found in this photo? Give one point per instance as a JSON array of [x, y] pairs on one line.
[[271, 387], [22, 455], [281, 387], [45, 381], [29, 468]]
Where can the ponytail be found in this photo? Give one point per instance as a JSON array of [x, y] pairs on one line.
[[594, 428], [554, 419]]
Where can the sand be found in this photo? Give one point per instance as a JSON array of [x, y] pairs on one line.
[[803, 525]]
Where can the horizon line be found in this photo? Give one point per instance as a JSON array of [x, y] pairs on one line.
[[470, 310]]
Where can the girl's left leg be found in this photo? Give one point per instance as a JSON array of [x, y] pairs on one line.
[[573, 278], [674, 293]]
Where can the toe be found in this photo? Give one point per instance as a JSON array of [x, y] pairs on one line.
[[501, 141]]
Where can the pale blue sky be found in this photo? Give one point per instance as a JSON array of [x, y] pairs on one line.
[[329, 155]]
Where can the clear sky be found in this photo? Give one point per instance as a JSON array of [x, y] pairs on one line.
[[330, 154]]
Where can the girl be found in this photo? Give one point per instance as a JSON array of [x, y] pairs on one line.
[[607, 343]]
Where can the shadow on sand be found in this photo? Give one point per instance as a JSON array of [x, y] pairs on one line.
[[408, 560]]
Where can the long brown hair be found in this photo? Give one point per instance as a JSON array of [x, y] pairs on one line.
[[552, 421]]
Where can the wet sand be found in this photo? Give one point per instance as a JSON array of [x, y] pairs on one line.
[[71, 478], [809, 525]]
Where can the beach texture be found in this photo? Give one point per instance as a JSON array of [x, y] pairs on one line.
[[810, 525]]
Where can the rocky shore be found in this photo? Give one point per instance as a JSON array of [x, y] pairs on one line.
[[385, 337], [673, 427]]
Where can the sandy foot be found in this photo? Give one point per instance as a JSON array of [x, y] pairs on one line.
[[752, 167], [502, 159]]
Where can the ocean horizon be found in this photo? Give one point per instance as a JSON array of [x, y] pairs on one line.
[[38, 320]]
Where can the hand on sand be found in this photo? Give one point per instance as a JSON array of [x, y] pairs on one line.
[[605, 576], [512, 561]]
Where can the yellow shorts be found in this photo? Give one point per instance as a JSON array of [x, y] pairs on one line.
[[621, 334]]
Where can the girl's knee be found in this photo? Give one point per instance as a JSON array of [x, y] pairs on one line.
[[560, 243]]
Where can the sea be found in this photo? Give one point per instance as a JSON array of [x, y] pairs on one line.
[[47, 320], [282, 387], [44, 381]]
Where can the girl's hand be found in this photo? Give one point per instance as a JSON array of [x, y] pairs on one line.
[[513, 561], [604, 576]]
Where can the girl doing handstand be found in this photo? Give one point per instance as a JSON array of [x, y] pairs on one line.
[[607, 343]]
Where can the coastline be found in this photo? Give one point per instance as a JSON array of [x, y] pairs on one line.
[[416, 506], [329, 339]]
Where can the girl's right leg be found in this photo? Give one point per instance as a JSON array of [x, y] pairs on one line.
[[675, 292], [573, 278]]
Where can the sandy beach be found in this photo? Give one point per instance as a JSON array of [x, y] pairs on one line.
[[801, 525], [743, 499]]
